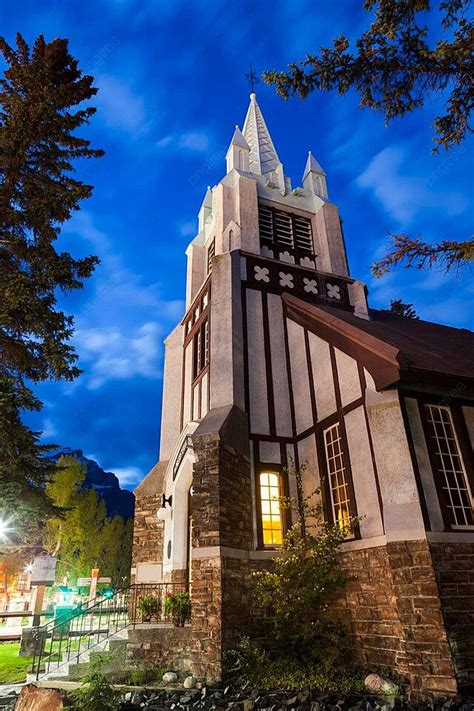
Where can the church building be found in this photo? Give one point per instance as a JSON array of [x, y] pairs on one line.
[[280, 359]]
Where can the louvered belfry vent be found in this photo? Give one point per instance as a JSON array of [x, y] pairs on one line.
[[285, 234]]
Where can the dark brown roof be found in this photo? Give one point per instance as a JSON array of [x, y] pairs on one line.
[[409, 345]]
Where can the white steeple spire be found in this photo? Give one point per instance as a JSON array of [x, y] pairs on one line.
[[263, 156]]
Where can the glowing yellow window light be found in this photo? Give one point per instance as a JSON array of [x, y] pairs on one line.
[[270, 509]]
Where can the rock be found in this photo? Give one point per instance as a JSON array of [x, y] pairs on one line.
[[170, 677], [190, 682], [376, 684], [33, 698]]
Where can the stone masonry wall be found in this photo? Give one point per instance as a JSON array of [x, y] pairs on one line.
[[454, 568], [147, 531], [394, 613], [222, 517]]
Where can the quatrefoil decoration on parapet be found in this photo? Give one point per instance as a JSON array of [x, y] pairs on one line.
[[307, 262], [261, 274], [286, 280], [334, 291], [310, 285]]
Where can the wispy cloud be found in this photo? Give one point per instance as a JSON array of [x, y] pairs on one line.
[[132, 346], [187, 229], [128, 476], [49, 429], [110, 353], [403, 194], [190, 141], [119, 106]]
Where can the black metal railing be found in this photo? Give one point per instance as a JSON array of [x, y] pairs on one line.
[[64, 639]]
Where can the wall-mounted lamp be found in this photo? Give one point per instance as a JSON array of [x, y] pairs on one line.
[[163, 512]]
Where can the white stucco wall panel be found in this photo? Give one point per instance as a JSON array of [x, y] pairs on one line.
[[299, 377], [468, 413], [363, 475], [348, 376], [226, 361], [204, 396], [172, 384], [322, 376], [188, 374], [307, 454], [270, 452], [402, 511], [281, 392], [258, 395], [424, 465]]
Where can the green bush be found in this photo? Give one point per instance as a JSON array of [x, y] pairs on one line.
[[178, 605], [249, 665], [141, 677], [97, 693], [149, 607]]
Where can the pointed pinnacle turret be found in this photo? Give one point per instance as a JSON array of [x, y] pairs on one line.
[[238, 139], [314, 178], [263, 156], [206, 209], [312, 166]]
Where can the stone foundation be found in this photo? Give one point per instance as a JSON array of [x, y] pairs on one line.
[[147, 528], [454, 567], [396, 615]]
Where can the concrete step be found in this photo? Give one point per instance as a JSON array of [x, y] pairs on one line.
[[74, 665]]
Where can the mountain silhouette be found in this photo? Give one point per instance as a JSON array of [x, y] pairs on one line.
[[119, 502]]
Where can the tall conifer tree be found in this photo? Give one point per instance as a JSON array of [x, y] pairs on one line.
[[43, 103]]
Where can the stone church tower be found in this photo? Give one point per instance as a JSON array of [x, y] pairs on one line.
[[278, 358]]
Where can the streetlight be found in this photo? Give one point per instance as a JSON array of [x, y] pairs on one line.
[[5, 528], [29, 568]]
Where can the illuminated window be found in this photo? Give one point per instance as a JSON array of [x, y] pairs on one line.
[[272, 533], [337, 475], [449, 466]]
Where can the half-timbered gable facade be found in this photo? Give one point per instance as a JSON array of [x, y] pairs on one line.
[[279, 359]]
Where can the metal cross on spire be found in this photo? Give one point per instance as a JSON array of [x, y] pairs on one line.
[[252, 79]]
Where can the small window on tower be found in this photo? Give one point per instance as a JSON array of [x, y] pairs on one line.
[[283, 231], [201, 349], [270, 509], [211, 253]]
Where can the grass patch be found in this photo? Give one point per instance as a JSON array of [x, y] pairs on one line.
[[13, 668]]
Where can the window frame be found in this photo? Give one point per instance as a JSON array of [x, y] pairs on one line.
[[264, 468], [465, 453], [328, 504]]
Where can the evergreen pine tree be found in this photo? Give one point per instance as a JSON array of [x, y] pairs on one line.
[[43, 103]]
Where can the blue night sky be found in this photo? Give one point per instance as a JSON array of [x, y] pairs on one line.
[[171, 89]]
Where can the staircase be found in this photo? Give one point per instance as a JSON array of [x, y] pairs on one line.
[[64, 647]]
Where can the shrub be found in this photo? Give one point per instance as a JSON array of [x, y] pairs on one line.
[[305, 581], [249, 665], [97, 692], [140, 677], [149, 606], [178, 605]]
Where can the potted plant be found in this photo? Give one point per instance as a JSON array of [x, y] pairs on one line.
[[149, 607], [178, 605]]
